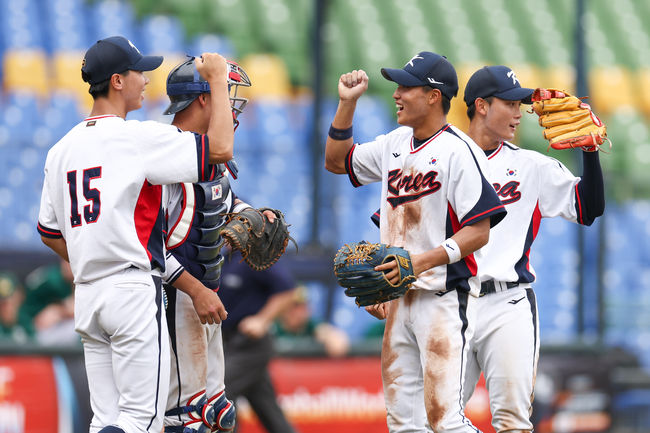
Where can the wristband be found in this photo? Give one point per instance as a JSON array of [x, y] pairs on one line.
[[340, 134], [452, 249], [240, 207]]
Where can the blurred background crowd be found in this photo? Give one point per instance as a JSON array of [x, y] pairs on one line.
[[593, 285]]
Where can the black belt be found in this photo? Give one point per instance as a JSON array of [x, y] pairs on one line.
[[491, 286]]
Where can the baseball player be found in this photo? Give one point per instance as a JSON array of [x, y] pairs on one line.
[[196, 213], [100, 210], [436, 204], [532, 186]]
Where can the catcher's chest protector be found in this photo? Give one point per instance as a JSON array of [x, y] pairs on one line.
[[200, 252]]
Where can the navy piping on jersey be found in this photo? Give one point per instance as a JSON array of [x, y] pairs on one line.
[[532, 301], [521, 267], [203, 156], [172, 299], [348, 168], [48, 232], [488, 199], [462, 314], [157, 282]]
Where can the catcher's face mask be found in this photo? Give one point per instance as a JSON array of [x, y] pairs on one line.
[[237, 77]]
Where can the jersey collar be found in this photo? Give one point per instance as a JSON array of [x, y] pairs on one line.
[[103, 116], [433, 137], [494, 152]]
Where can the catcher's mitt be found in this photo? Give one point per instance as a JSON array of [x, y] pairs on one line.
[[261, 243], [569, 122], [354, 268]]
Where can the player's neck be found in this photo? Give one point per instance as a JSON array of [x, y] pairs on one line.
[[104, 106], [482, 137], [427, 129]]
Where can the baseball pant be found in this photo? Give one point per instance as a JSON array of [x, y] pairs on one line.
[[247, 375], [423, 355], [505, 347], [197, 362], [126, 348]]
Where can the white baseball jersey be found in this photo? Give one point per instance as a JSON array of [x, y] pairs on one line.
[[532, 186], [428, 194], [106, 200]]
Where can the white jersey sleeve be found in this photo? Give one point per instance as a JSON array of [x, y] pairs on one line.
[[557, 197], [470, 195], [166, 155], [364, 161], [48, 225]]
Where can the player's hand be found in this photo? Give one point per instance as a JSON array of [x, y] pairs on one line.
[[352, 85], [212, 67], [209, 307], [391, 270], [380, 311], [269, 215], [254, 326]]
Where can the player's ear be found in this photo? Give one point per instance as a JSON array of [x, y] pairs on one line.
[[203, 99], [117, 81], [481, 106], [435, 95]]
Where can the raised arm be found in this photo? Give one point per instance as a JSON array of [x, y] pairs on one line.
[[214, 69], [339, 140]]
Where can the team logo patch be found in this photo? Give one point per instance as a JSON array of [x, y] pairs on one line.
[[511, 172], [216, 192]]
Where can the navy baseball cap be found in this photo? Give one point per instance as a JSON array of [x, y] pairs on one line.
[[114, 55], [426, 69], [499, 81]]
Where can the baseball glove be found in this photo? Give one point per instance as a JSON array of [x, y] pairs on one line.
[[261, 243], [569, 122], [354, 268]]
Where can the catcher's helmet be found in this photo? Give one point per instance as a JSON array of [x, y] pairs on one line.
[[185, 84]]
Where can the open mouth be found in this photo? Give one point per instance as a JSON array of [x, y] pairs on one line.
[[399, 107]]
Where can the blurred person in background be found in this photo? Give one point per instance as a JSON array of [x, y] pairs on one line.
[[254, 300], [49, 300], [14, 325], [297, 322]]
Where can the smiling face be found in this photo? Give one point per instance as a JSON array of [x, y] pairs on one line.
[[133, 85], [413, 105], [502, 118]]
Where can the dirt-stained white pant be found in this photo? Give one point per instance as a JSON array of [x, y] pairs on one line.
[[424, 350], [197, 362], [505, 347], [126, 348]]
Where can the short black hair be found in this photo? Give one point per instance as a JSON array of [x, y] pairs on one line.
[[471, 110], [446, 104], [100, 90]]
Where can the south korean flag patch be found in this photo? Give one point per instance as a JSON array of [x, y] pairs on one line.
[[217, 192]]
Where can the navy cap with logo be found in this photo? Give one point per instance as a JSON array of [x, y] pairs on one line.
[[499, 81], [114, 55], [426, 69]]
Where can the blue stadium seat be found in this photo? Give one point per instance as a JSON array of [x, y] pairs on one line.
[[112, 18], [21, 25], [64, 25], [211, 43], [162, 34]]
